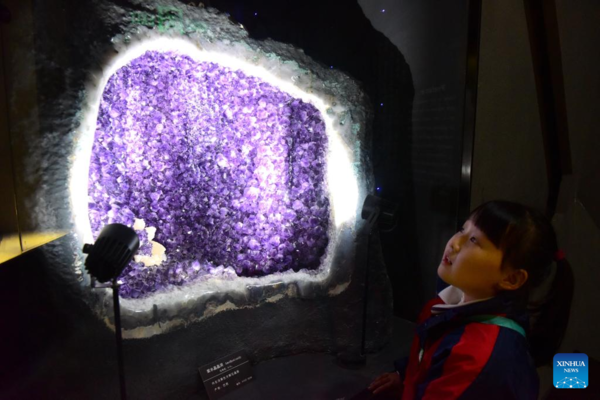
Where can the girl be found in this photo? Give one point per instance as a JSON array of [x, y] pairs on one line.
[[485, 334]]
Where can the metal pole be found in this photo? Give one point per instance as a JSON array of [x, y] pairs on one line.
[[119, 338], [370, 225], [365, 299]]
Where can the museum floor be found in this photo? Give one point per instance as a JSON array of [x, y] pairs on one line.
[[317, 376]]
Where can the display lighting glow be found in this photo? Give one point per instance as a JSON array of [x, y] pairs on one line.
[[217, 163]]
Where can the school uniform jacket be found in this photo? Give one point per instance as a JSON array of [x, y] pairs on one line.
[[454, 359]]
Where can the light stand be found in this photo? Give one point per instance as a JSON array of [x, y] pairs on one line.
[[119, 338], [113, 250], [384, 214]]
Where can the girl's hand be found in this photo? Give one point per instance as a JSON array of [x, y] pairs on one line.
[[387, 383]]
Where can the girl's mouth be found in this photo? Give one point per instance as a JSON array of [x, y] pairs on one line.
[[446, 260]]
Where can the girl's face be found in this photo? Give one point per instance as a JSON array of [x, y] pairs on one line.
[[472, 263]]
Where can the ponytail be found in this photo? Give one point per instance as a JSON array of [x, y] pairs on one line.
[[549, 315]]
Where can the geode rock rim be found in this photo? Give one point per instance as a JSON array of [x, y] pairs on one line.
[[333, 97]]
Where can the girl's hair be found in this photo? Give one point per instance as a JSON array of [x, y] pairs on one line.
[[528, 241]]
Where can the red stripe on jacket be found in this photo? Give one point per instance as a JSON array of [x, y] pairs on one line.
[[466, 360], [412, 368]]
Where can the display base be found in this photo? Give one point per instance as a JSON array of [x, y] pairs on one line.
[[320, 376]]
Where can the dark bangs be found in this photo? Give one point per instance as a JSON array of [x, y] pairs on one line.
[[506, 224], [494, 219]]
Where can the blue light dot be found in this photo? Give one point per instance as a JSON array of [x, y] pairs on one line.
[[381, 104], [383, 10], [255, 14], [378, 188], [331, 66]]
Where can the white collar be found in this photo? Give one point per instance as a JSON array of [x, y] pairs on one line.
[[452, 297]]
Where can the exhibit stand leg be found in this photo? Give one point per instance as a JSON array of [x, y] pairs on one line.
[[115, 287], [371, 222], [106, 260], [366, 298]]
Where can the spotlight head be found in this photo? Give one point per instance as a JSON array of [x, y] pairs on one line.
[[384, 212], [114, 248]]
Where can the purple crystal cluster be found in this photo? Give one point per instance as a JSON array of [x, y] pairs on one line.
[[229, 169]]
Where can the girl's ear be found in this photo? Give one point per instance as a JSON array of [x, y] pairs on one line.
[[514, 279]]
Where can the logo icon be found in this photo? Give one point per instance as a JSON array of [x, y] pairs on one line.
[[570, 371]]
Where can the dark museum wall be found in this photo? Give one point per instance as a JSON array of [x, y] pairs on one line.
[[508, 157], [429, 149], [508, 153], [51, 325], [508, 163]]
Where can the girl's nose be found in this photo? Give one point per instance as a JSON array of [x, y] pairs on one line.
[[455, 244]]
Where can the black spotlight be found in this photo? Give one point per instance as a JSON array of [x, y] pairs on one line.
[[111, 253], [379, 211], [113, 250]]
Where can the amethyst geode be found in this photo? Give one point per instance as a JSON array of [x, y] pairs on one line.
[[227, 168]]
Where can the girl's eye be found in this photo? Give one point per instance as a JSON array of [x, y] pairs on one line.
[[473, 239]]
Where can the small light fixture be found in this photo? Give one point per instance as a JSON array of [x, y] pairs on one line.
[[379, 211], [107, 258], [114, 248]]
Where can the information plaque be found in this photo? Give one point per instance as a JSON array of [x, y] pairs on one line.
[[226, 374]]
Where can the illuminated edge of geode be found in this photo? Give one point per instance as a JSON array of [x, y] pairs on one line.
[[179, 306]]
